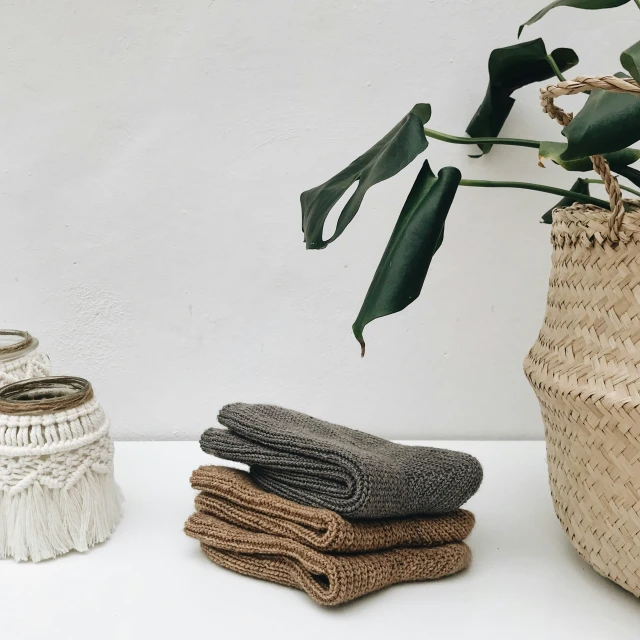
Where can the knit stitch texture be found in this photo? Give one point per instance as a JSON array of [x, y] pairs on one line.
[[329, 579], [32, 365], [355, 474], [57, 490], [231, 495]]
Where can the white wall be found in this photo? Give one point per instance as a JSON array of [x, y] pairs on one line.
[[151, 159]]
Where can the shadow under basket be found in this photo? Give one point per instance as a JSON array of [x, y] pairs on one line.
[[57, 489]]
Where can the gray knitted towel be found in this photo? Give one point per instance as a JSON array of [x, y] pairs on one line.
[[325, 465]]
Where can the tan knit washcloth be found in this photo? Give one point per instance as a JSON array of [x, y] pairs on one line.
[[259, 534]]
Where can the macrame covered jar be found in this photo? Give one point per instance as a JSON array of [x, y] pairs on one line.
[[585, 369], [57, 489], [20, 358]]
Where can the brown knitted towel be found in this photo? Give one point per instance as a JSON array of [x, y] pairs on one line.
[[329, 579], [232, 495], [271, 538]]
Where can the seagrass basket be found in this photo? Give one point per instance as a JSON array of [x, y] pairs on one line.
[[585, 368]]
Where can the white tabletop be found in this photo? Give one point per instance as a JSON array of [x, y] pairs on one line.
[[151, 581]]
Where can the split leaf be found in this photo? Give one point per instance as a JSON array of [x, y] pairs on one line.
[[554, 150], [632, 175], [576, 4], [386, 158], [416, 237], [580, 186], [608, 122], [511, 68], [630, 60]]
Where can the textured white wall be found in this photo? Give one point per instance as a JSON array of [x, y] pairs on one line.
[[151, 159]]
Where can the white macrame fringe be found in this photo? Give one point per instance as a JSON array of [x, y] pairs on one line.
[[41, 523]]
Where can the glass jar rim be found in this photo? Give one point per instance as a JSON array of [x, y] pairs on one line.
[[44, 395], [16, 344]]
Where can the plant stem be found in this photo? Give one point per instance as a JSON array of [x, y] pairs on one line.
[[578, 197], [638, 3], [622, 186], [555, 68], [514, 142]]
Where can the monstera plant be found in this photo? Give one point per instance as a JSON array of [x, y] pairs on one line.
[[607, 125]]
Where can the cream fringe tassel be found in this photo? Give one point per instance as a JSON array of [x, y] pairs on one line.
[[57, 488], [41, 523]]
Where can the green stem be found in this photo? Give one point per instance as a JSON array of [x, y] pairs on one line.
[[578, 197], [555, 68], [638, 3], [622, 186], [514, 142]]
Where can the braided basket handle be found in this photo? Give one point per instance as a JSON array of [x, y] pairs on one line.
[[600, 165]]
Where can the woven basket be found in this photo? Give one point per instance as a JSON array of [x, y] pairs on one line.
[[585, 368]]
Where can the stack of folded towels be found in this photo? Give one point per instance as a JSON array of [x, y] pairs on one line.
[[334, 512]]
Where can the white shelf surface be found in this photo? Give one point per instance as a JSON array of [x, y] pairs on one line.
[[151, 581]]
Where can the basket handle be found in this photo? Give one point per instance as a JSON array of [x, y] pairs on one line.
[[600, 165]]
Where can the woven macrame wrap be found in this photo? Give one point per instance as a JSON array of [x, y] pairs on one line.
[[243, 528], [20, 358], [585, 369], [57, 490]]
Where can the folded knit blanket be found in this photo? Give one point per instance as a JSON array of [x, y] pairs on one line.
[[231, 495], [326, 465], [242, 528], [329, 579]]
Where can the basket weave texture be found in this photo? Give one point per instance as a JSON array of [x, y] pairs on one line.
[[585, 366], [585, 370]]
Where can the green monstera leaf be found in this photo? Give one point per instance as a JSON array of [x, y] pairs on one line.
[[579, 186], [632, 175], [608, 122], [630, 59], [512, 68], [554, 151], [576, 4], [416, 237], [386, 158]]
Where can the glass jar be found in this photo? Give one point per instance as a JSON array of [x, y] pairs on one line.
[[57, 490], [20, 358]]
